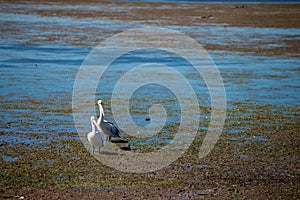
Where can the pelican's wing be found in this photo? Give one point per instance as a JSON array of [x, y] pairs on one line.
[[115, 131]]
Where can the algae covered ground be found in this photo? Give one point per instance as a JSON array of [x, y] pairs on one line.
[[262, 161]]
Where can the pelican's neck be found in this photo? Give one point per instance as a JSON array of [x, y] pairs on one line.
[[97, 126], [93, 127], [100, 120], [101, 107]]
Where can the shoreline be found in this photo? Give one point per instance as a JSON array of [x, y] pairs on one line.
[[173, 13]]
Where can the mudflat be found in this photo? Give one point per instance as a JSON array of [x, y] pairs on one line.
[[261, 162]]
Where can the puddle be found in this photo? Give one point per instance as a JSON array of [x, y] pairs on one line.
[[202, 165], [16, 139], [9, 158], [249, 138], [219, 34], [42, 164]]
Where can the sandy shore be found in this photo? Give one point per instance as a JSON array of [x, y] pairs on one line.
[[270, 172], [239, 15]]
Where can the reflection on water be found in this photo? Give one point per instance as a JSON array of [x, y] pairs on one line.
[[38, 67]]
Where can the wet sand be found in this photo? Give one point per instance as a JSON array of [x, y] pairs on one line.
[[247, 169], [239, 15], [161, 14]]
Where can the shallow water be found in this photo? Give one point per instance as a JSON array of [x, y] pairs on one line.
[[40, 59]]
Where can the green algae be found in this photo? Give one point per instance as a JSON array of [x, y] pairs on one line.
[[67, 163]]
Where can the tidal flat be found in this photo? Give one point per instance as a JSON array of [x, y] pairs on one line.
[[255, 47]]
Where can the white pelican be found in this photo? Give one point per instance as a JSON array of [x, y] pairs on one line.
[[107, 128], [94, 137]]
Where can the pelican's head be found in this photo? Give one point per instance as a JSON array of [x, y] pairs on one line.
[[99, 102], [92, 118]]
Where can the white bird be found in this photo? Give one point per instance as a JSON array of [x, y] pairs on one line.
[[94, 137], [107, 128]]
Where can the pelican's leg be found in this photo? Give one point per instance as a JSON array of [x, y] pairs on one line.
[[93, 149], [104, 139]]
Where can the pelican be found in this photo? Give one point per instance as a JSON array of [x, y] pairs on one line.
[[94, 137], [107, 128]]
